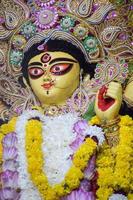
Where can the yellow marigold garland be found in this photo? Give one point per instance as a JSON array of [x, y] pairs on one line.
[[94, 121], [35, 164], [130, 196], [115, 165]]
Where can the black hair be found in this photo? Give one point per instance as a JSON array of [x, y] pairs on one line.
[[125, 110], [58, 45]]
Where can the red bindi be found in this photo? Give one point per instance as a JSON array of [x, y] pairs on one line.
[[46, 58]]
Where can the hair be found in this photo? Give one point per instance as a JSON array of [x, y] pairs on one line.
[[57, 45]]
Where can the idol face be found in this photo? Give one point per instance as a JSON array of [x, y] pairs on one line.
[[53, 77]]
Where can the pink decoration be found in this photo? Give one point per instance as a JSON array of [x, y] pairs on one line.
[[9, 153], [123, 36], [9, 179], [95, 6], [8, 193], [46, 17], [80, 195], [77, 142], [43, 4], [10, 140], [2, 20], [9, 165], [9, 176], [80, 126], [91, 167]]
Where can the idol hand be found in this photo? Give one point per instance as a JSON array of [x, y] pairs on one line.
[[108, 101]]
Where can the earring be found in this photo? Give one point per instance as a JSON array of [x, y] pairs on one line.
[[80, 88], [79, 100]]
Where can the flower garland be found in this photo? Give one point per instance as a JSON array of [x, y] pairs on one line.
[[94, 121], [35, 163], [114, 165], [114, 174], [8, 151], [9, 174], [4, 130]]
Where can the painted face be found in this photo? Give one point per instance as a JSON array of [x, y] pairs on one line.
[[53, 77]]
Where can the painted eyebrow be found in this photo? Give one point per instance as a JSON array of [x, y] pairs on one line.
[[62, 59], [35, 63]]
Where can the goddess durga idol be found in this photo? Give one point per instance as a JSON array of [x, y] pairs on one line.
[[57, 149]]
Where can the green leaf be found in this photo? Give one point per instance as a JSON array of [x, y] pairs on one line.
[[90, 112]]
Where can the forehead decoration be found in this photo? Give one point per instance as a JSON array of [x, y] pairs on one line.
[[45, 58], [99, 29]]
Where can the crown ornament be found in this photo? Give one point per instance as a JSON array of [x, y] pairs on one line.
[[97, 28]]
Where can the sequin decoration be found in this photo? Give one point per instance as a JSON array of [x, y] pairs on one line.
[[46, 18], [67, 23], [16, 58], [80, 32], [18, 42], [62, 7], [43, 3], [2, 57], [28, 30], [32, 6], [90, 44], [111, 69], [2, 20], [11, 20]]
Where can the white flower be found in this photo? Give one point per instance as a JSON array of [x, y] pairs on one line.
[[97, 132], [118, 197], [58, 134]]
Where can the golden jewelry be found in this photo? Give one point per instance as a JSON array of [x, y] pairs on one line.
[[111, 129]]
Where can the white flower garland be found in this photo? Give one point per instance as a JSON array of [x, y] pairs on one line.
[[97, 132], [58, 136], [118, 197]]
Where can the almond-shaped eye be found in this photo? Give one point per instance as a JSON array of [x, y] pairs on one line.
[[61, 69], [35, 72]]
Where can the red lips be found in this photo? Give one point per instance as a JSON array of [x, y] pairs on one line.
[[47, 85]]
